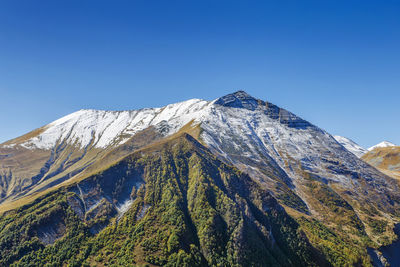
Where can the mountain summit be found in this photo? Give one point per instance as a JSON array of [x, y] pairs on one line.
[[341, 203], [381, 144], [239, 99]]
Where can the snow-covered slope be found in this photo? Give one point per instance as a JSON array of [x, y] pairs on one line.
[[101, 129], [351, 146], [381, 144], [254, 133], [70, 145]]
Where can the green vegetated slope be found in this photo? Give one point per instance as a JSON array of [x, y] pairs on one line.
[[173, 204]]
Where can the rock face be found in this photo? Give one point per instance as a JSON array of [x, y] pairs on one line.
[[242, 100], [239, 99], [316, 179]]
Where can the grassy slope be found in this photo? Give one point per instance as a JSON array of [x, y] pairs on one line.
[[385, 159]]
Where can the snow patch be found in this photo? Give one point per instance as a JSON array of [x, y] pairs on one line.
[[124, 207]]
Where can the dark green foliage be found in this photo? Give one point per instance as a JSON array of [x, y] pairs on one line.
[[340, 251], [341, 212], [378, 226], [292, 200]]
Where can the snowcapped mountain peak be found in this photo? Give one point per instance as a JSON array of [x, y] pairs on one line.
[[381, 144], [350, 145], [239, 99], [242, 100]]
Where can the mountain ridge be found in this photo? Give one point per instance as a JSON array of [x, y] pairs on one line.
[[350, 145]]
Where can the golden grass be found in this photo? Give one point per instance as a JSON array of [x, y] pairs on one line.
[[383, 158], [26, 137]]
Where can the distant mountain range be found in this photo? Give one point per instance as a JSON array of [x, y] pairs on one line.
[[236, 181]]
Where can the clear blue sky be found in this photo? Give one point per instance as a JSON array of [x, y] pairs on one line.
[[334, 63]]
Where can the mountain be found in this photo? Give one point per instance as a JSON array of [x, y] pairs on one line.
[[336, 203], [385, 159], [381, 144], [351, 146]]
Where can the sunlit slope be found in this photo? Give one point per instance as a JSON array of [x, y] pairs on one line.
[[386, 159]]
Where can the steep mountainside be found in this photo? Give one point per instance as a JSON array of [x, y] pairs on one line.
[[182, 207], [385, 159], [305, 168], [351, 146], [341, 203]]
